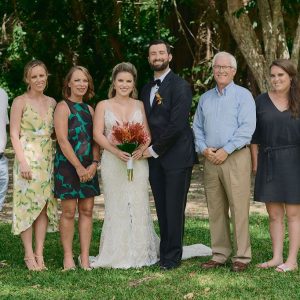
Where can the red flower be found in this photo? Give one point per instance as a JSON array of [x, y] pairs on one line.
[[129, 132], [128, 137]]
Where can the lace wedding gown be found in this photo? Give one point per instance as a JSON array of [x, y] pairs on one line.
[[128, 239]]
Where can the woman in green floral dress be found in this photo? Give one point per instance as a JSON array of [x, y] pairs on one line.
[[75, 167], [34, 205]]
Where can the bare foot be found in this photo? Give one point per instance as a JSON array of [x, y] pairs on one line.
[[269, 264]]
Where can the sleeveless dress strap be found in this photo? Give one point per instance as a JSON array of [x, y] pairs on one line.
[[69, 103], [136, 106], [107, 106]]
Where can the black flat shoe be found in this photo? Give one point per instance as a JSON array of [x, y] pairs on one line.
[[168, 267]]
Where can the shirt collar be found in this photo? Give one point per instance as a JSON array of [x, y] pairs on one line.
[[162, 77], [225, 90]]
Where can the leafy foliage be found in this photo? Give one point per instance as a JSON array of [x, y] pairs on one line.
[[101, 33], [97, 34]]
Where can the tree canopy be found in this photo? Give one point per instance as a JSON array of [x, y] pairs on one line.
[[98, 34]]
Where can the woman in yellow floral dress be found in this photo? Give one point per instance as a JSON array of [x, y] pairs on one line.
[[34, 205]]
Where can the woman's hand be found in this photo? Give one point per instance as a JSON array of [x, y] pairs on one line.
[[92, 169], [137, 154], [25, 171], [122, 155], [82, 173]]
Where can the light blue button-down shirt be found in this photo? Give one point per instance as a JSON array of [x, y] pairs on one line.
[[224, 120]]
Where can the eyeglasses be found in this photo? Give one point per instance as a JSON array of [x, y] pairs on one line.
[[219, 68]]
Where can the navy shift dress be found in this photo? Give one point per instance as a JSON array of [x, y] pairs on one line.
[[278, 170]]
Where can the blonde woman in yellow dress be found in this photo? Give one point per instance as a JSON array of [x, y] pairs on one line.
[[34, 206]]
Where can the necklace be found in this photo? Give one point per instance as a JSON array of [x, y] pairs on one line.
[[281, 103]]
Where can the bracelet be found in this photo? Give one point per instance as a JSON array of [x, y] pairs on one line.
[[96, 161]]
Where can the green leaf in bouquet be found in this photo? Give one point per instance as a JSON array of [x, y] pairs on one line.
[[128, 147]]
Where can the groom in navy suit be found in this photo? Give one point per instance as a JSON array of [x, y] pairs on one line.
[[167, 100]]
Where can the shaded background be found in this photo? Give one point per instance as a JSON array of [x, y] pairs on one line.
[[98, 34]]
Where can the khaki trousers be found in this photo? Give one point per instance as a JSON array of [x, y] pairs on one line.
[[227, 186]]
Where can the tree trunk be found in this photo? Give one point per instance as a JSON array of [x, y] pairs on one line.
[[259, 55], [246, 39], [296, 45]]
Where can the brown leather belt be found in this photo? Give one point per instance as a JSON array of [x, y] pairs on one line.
[[246, 146]]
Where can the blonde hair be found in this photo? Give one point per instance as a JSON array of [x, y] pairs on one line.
[[29, 66], [66, 90], [123, 67]]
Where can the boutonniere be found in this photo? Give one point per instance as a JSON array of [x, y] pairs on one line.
[[159, 99]]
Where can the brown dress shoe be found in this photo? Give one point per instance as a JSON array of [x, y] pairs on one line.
[[238, 266], [211, 264]]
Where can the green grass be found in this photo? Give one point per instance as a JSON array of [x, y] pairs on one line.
[[145, 283]]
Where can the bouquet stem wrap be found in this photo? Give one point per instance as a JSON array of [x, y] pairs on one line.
[[130, 169], [129, 148]]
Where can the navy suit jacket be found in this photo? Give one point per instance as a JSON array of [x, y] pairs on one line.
[[171, 133]]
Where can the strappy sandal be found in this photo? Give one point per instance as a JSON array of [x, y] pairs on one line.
[[31, 264], [69, 269], [83, 268], [40, 261], [72, 268], [284, 268]]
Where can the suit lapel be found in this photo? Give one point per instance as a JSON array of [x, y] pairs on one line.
[[164, 85], [147, 99]]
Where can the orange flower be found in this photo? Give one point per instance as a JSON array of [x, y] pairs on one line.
[[159, 99], [129, 133]]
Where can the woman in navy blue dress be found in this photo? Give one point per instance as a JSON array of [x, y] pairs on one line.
[[275, 153]]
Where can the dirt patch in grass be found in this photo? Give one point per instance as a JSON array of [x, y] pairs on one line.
[[196, 204]]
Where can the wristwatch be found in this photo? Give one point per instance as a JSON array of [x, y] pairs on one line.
[[96, 161]]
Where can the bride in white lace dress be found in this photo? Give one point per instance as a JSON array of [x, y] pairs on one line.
[[128, 238]]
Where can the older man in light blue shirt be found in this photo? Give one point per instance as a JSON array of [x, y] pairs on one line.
[[223, 125]]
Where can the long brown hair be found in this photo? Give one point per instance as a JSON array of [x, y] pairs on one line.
[[294, 92], [66, 91], [123, 67]]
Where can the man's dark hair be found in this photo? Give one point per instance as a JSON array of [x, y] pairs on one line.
[[157, 42]]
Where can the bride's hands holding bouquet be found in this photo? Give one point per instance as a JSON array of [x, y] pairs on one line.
[[125, 156], [138, 153]]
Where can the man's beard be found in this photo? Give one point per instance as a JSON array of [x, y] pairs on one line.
[[161, 67]]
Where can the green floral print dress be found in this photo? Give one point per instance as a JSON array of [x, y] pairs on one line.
[[80, 135]]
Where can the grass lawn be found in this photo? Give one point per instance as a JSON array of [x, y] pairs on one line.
[[186, 282]]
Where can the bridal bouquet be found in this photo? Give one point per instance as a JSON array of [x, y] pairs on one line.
[[127, 137]]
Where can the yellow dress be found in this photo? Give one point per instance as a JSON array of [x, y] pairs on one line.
[[31, 196]]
